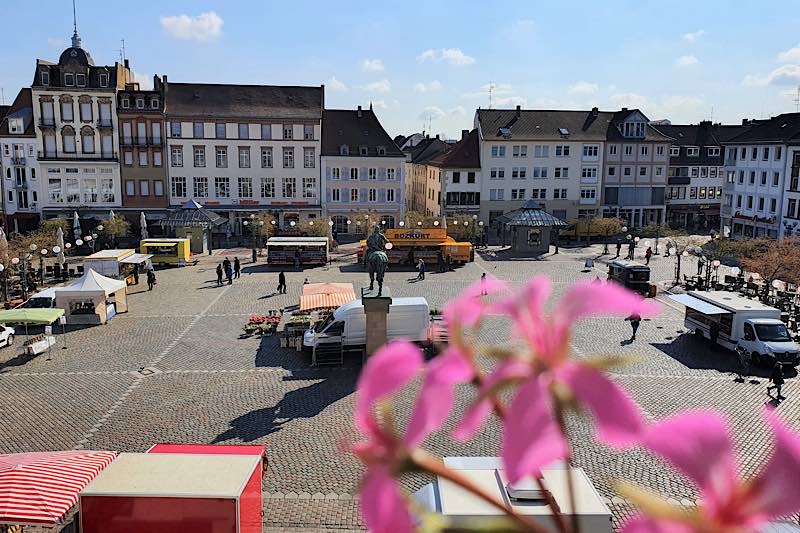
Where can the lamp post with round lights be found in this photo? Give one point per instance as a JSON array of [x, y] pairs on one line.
[[5, 282]]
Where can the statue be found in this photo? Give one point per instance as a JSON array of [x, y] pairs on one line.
[[376, 259]]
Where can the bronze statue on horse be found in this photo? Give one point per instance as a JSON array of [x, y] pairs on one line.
[[375, 258]]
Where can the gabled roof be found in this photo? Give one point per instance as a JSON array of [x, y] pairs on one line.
[[531, 215], [192, 215], [227, 101], [355, 129], [700, 135], [3, 110], [652, 134], [426, 149], [21, 108], [784, 128], [528, 124], [465, 154]]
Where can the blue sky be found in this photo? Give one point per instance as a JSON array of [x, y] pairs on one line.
[[433, 62]]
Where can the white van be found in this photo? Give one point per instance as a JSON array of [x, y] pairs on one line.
[[45, 299], [409, 318], [736, 322]]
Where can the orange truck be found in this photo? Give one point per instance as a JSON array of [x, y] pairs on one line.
[[411, 245]]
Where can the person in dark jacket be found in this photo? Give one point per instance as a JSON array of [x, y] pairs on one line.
[[237, 268], [151, 279], [281, 283], [619, 248], [635, 320], [777, 381], [219, 274], [647, 255]]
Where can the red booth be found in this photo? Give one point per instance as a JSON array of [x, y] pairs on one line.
[[175, 492]]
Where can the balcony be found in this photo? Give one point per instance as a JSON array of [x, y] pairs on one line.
[[16, 160], [76, 156], [104, 123], [678, 180], [47, 123]]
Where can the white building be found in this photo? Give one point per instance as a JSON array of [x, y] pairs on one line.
[[761, 193], [240, 149], [18, 163], [74, 112], [461, 175], [363, 170]]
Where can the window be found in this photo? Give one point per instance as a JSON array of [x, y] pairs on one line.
[[309, 187], [175, 130], [219, 130], [54, 190], [763, 177], [642, 172], [198, 130], [353, 173], [741, 176], [244, 157], [589, 194], [106, 189], [560, 194], [143, 158], [266, 132], [498, 151], [140, 103], [141, 132], [289, 187], [752, 177], [760, 203], [739, 201], [561, 172], [674, 151], [200, 186], [773, 205], [590, 150], [659, 150], [268, 187], [390, 195], [158, 187], [288, 157], [336, 195], [470, 177], [244, 131], [497, 194], [69, 79], [130, 187], [776, 178], [66, 110], [626, 171], [125, 102], [702, 193], [497, 173], [222, 186], [541, 150], [68, 140], [692, 151], [245, 187], [308, 132], [749, 202], [176, 156], [155, 127], [179, 186], [517, 194], [563, 150], [754, 153], [628, 149], [199, 156], [86, 110], [288, 132], [87, 140], [778, 153], [643, 150], [45, 77], [363, 150], [390, 174], [765, 153], [612, 149], [589, 173], [309, 158], [354, 195], [372, 173], [336, 173], [372, 195], [154, 105], [144, 188], [713, 151], [519, 150], [456, 177]]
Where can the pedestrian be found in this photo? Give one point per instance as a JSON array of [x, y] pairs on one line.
[[439, 261], [297, 259], [484, 292], [647, 255], [237, 268], [635, 320], [136, 274], [777, 381], [151, 279], [619, 249], [219, 274], [305, 281], [226, 264], [281, 283], [700, 264], [449, 263], [631, 247], [421, 269]]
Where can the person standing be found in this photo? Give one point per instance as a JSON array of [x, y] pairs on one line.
[[484, 292], [449, 263], [631, 248], [421, 269], [136, 274], [228, 270], [281, 283], [151, 279], [776, 377], [635, 320], [619, 249], [219, 274], [237, 268], [647, 255], [226, 264], [439, 261]]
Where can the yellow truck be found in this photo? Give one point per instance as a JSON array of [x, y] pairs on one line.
[[428, 244], [168, 251]]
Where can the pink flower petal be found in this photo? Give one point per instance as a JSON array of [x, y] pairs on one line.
[[531, 437], [641, 524], [618, 421], [477, 413], [435, 400], [383, 508], [776, 487], [526, 308], [586, 298], [468, 308], [698, 444], [385, 372]]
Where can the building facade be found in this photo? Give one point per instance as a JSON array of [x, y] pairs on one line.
[[74, 113], [239, 149], [143, 149], [636, 161], [461, 175], [761, 190], [20, 183], [363, 170], [423, 185], [553, 157]]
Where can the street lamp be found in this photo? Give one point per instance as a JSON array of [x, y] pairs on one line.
[[5, 282], [436, 223], [43, 253], [402, 223]]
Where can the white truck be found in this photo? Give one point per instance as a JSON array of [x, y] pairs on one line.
[[740, 324]]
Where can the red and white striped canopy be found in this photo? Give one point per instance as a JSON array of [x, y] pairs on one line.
[[40, 488]]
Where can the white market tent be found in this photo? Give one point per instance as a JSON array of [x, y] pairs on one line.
[[93, 299]]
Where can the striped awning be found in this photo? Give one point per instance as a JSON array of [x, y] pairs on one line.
[[40, 488], [326, 295]]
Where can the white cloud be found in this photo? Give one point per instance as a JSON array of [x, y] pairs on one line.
[[379, 104], [431, 112], [792, 55], [336, 85], [693, 36], [372, 65], [453, 56], [678, 108], [457, 110], [510, 101], [380, 87], [145, 80], [783, 75], [686, 61], [583, 87], [58, 44], [204, 27], [433, 86]]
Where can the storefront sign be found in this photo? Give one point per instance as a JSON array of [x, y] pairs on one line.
[[754, 218]]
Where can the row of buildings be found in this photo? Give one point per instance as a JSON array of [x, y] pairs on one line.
[[86, 138]]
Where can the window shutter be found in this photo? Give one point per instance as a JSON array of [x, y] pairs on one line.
[[328, 194], [344, 174], [345, 196], [382, 174], [362, 175], [382, 195], [362, 195], [327, 173]]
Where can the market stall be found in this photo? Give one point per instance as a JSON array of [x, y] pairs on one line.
[[316, 296], [167, 251], [118, 263], [93, 299], [41, 317], [297, 251], [41, 488]]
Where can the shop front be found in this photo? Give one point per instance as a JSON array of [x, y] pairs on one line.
[[694, 217]]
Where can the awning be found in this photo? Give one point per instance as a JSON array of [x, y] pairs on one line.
[[698, 304], [136, 258], [326, 295], [40, 488], [30, 316]]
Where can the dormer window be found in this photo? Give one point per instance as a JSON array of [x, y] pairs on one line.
[[674, 151], [713, 151], [381, 150], [125, 103], [69, 79], [634, 129], [15, 125], [103, 79], [362, 150], [80, 80], [45, 77], [140, 103], [154, 103], [344, 150], [692, 151]]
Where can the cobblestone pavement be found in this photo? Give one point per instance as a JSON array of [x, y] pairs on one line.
[[205, 383]]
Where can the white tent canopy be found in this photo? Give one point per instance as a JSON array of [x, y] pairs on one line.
[[91, 281]]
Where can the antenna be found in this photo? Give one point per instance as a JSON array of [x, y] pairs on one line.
[[712, 114], [2, 97], [797, 100], [491, 88], [74, 18], [123, 50]]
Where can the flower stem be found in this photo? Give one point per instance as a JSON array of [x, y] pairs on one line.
[[430, 464], [562, 424]]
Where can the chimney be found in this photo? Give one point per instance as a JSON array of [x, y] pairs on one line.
[[464, 134], [595, 112], [624, 109], [437, 136], [127, 64], [519, 112], [359, 112]]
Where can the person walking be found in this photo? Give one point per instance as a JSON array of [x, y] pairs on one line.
[[619, 249], [219, 274], [635, 320], [151, 279], [449, 263], [484, 292], [647, 255], [777, 381], [631, 247], [226, 265], [237, 268], [421, 269], [439, 261], [136, 275], [281, 283]]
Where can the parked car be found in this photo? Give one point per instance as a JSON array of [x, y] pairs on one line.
[[6, 335]]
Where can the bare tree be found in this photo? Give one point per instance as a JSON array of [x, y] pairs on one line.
[[775, 260], [607, 227]]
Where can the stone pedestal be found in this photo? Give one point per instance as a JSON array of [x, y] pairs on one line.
[[376, 309]]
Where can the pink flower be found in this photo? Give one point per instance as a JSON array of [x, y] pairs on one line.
[[699, 445], [532, 438], [468, 308]]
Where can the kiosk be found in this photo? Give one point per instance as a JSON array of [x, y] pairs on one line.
[[167, 251], [92, 299]]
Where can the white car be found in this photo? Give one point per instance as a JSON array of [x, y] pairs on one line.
[[6, 335]]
